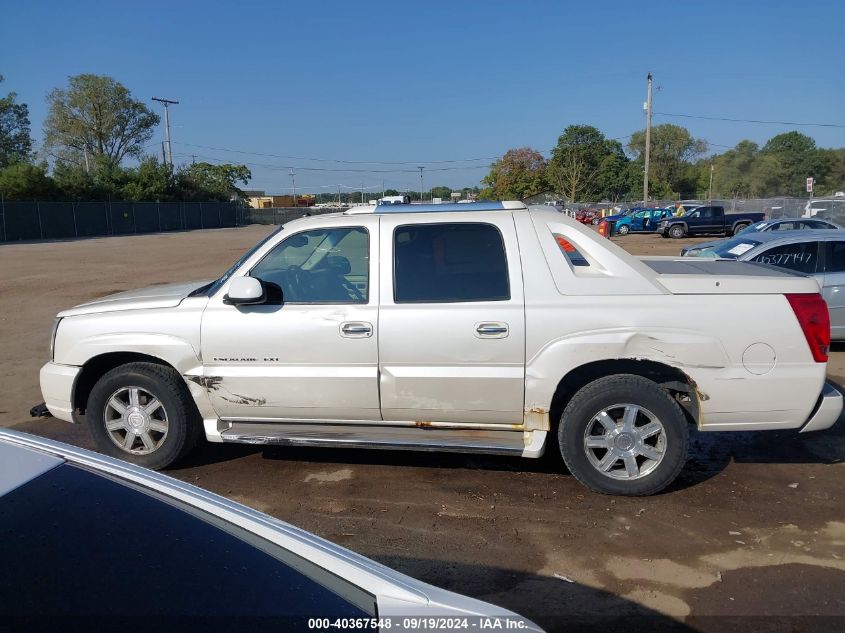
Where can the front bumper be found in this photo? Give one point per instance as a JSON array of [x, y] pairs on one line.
[[57, 382], [827, 411]]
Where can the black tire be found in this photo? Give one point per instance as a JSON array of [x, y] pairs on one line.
[[595, 221], [582, 413], [677, 231], [183, 423], [739, 227], [623, 230]]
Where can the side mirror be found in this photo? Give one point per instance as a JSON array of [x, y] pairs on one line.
[[244, 291]]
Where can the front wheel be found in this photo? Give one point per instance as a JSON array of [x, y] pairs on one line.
[[623, 230], [676, 232], [623, 435], [143, 413]]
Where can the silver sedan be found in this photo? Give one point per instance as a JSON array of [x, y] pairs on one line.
[[818, 253]]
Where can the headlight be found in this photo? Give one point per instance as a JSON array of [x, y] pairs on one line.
[[53, 330]]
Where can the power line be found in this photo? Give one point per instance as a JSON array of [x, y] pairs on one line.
[[326, 169], [717, 118], [337, 160]]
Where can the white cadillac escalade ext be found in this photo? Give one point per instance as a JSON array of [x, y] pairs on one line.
[[489, 328]]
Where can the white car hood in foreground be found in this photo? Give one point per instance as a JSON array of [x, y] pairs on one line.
[[160, 296]]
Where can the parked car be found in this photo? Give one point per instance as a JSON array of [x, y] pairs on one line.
[[819, 253], [491, 328], [585, 216], [88, 536], [779, 224], [706, 220], [643, 221]]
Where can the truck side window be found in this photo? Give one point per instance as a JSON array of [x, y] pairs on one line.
[[800, 257], [447, 263], [321, 266]]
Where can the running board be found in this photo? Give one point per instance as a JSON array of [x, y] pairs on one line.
[[385, 437]]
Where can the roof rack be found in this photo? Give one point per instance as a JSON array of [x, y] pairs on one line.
[[436, 208]]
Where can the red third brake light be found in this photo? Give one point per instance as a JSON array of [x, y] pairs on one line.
[[811, 312]]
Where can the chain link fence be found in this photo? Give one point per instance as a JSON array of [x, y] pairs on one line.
[[41, 220], [280, 215]]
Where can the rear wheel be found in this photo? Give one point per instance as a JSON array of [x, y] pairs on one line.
[[143, 413], [677, 231], [623, 435], [739, 227], [622, 230], [594, 221]]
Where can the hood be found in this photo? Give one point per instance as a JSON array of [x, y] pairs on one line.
[[159, 296]]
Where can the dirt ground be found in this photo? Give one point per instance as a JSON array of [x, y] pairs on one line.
[[751, 537]]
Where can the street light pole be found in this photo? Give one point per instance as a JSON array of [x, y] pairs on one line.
[[421, 182]]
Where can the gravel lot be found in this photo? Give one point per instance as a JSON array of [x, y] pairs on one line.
[[751, 537]]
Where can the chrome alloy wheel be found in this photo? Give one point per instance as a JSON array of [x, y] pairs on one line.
[[136, 420], [624, 441]]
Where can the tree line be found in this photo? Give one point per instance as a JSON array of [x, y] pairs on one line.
[[587, 166], [92, 127]]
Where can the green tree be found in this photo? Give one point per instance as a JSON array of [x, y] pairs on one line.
[[25, 181], [672, 147], [219, 181], [518, 174], [798, 158], [97, 114], [577, 160], [15, 142], [441, 192]]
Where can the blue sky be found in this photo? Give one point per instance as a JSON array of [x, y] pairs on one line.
[[432, 81]]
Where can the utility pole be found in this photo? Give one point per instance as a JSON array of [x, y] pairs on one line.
[[647, 142], [293, 186], [421, 182], [710, 195], [166, 103]]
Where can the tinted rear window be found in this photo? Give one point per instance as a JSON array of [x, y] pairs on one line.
[[76, 543]]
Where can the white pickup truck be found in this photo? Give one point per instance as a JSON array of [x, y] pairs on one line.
[[488, 328]]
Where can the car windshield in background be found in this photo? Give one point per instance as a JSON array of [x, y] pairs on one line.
[[732, 249], [754, 228]]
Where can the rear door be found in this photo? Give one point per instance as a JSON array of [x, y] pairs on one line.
[[833, 289], [451, 319]]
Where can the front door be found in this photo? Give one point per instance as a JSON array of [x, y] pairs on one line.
[[310, 352], [451, 325]]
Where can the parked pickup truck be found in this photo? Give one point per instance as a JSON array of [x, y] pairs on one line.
[[707, 220], [488, 328]]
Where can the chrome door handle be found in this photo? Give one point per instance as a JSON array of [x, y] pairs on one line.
[[494, 330], [356, 328]]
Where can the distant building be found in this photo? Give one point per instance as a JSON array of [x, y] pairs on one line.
[[260, 200]]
